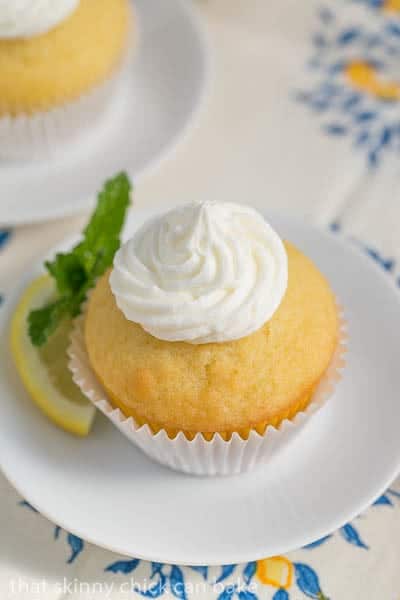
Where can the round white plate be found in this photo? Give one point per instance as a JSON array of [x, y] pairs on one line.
[[105, 490], [163, 86]]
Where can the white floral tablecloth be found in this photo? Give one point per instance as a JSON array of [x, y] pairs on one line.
[[303, 116]]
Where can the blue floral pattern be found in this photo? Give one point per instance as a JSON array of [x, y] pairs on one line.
[[349, 532], [354, 85], [230, 582], [75, 543], [171, 578], [5, 235]]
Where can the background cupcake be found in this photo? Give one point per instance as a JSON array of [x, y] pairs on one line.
[[58, 63]]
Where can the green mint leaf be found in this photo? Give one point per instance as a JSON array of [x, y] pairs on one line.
[[44, 321], [76, 272], [101, 235], [68, 273]]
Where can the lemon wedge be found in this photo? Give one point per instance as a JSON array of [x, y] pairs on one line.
[[44, 371]]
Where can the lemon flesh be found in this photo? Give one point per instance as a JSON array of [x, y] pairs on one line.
[[44, 371]]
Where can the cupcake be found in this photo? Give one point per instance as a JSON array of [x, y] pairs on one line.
[[58, 62], [208, 336]]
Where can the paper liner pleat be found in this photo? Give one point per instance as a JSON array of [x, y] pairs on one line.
[[199, 456]]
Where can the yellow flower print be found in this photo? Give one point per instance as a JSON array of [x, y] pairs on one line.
[[364, 77], [391, 5], [276, 571]]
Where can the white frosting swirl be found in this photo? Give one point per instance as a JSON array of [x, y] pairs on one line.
[[201, 273], [27, 18]]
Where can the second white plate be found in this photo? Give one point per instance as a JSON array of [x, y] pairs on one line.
[[106, 491], [161, 90]]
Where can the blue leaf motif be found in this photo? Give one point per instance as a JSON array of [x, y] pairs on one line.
[[336, 129], [307, 580], [326, 16], [57, 531], [336, 67], [156, 590], [351, 535], [227, 593], [348, 36], [352, 101], [318, 542], [202, 570], [281, 595], [319, 104], [226, 570], [247, 595], [387, 264], [76, 544], [393, 28], [394, 493], [4, 236], [386, 137], [367, 115], [373, 158], [249, 571], [362, 137], [177, 583], [383, 500], [329, 89], [334, 226], [123, 566], [155, 568], [27, 505]]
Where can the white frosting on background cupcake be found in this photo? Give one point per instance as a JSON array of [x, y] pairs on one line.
[[210, 272], [28, 18]]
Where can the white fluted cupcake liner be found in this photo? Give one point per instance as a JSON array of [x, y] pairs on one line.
[[45, 134], [199, 456]]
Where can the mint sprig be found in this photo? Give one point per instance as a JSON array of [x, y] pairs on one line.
[[76, 272]]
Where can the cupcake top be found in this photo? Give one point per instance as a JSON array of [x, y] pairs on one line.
[[85, 50], [201, 273], [28, 18], [257, 380]]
